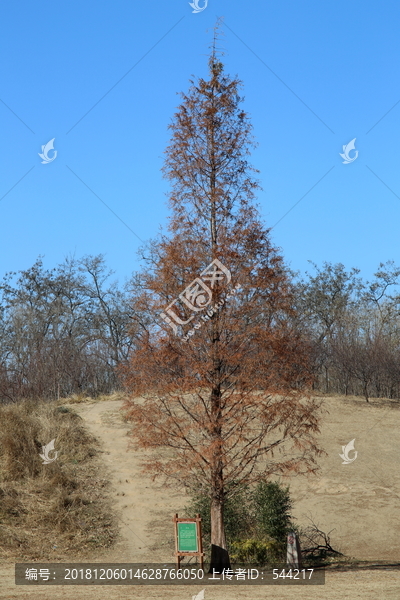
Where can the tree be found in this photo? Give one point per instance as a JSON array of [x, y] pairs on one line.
[[224, 405], [108, 310], [62, 330], [323, 301]]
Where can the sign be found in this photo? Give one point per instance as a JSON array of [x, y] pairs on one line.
[[187, 537], [188, 541]]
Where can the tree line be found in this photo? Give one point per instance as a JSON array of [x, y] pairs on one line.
[[67, 330], [63, 331], [354, 328]]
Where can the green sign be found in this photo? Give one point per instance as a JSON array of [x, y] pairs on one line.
[[187, 537]]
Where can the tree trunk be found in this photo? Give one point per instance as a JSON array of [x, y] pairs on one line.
[[219, 554]]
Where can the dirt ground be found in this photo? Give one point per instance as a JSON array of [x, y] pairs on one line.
[[360, 501]]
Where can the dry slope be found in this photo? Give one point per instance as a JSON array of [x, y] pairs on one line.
[[360, 500]]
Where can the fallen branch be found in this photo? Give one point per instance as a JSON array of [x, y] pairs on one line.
[[319, 541]]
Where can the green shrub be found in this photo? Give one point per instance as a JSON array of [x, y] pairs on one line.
[[271, 506], [237, 516], [256, 521], [254, 551]]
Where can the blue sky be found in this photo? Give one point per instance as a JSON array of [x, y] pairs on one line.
[[315, 74]]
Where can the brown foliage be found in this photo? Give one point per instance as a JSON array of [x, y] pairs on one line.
[[216, 403]]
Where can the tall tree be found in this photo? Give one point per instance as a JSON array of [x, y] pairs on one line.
[[218, 382]]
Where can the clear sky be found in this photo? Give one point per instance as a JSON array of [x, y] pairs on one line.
[[102, 79]]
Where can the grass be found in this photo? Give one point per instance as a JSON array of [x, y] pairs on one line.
[[83, 398], [48, 511]]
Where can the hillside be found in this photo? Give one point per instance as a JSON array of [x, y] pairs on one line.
[[359, 501]]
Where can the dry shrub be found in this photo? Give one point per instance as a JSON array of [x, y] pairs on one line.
[[115, 396], [77, 399], [48, 511], [18, 444]]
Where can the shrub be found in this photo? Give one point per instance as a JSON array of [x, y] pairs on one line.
[[271, 505], [256, 521], [48, 511], [237, 516], [254, 551]]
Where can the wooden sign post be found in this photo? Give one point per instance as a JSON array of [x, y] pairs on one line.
[[188, 541]]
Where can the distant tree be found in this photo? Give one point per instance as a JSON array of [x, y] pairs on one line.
[[324, 300], [326, 297], [365, 349], [387, 275], [226, 404], [108, 310], [62, 330]]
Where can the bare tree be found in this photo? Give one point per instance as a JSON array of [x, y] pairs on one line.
[[62, 330]]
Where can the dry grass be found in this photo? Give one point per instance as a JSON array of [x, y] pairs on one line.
[[50, 510], [83, 398]]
